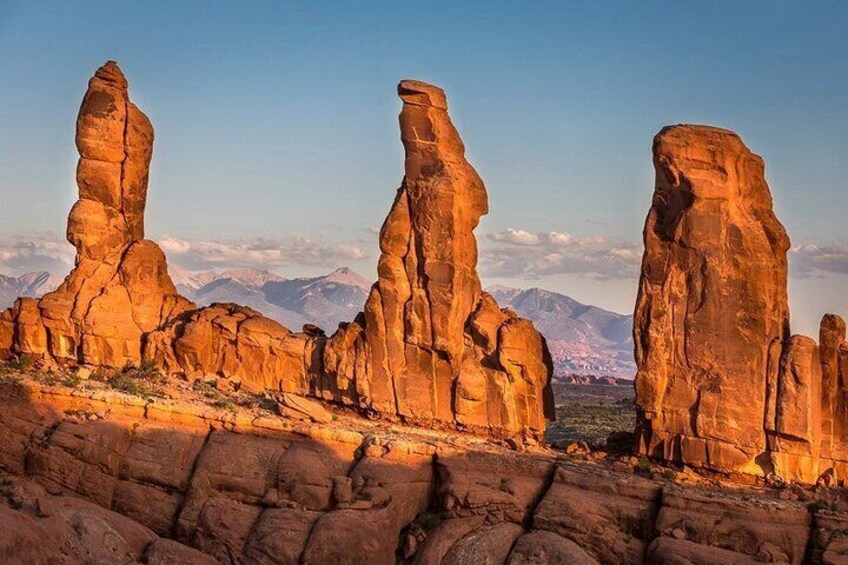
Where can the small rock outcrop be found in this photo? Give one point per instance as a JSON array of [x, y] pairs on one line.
[[431, 347], [119, 288], [721, 383]]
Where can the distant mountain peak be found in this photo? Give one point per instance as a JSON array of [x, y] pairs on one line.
[[346, 275]]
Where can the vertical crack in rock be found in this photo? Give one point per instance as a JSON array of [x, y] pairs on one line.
[[537, 500], [184, 493]]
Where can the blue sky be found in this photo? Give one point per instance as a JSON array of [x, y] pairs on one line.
[[277, 131]]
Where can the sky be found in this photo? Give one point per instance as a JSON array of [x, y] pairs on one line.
[[277, 142]]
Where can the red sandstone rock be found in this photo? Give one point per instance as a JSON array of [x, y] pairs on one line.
[[411, 354], [430, 347], [712, 313], [119, 288]]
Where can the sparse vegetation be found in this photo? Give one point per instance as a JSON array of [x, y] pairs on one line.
[[590, 413], [137, 380], [225, 404], [643, 467], [22, 363], [429, 520]]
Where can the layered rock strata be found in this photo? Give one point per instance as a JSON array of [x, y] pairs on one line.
[[721, 383], [430, 347], [119, 288], [249, 487]]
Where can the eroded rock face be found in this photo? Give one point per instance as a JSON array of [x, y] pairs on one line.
[[431, 345], [712, 313], [721, 383], [119, 288], [252, 487]]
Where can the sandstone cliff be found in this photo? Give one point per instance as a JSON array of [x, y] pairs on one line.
[[431, 347], [721, 383], [80, 466]]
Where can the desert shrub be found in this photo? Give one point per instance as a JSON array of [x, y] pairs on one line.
[[669, 475], [137, 380], [225, 404], [643, 467]]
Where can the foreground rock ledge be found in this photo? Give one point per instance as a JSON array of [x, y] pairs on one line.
[[430, 348], [246, 486]]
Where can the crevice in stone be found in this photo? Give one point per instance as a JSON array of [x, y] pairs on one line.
[[539, 497], [188, 486]]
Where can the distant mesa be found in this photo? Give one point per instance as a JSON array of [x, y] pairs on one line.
[[430, 347]]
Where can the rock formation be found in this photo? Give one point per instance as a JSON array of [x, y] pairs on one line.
[[80, 467], [721, 383], [119, 288], [712, 310], [431, 347]]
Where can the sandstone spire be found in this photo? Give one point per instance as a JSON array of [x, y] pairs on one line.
[[119, 288], [712, 312], [430, 347], [435, 346]]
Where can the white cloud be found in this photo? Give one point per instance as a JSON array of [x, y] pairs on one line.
[[22, 254], [46, 252], [260, 253], [520, 253], [805, 260]]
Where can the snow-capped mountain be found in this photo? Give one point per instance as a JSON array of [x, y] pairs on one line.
[[31, 284], [324, 301]]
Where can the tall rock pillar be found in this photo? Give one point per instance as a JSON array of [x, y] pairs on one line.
[[712, 312]]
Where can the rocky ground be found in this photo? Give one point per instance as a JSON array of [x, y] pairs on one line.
[[130, 466]]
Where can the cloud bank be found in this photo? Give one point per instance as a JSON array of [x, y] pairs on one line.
[[23, 254], [259, 253], [521, 253], [805, 260]]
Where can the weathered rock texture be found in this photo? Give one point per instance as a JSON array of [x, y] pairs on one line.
[[252, 488], [721, 383], [431, 347], [119, 288], [712, 310]]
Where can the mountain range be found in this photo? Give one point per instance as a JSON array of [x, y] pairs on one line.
[[323, 301], [583, 339], [30, 284]]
